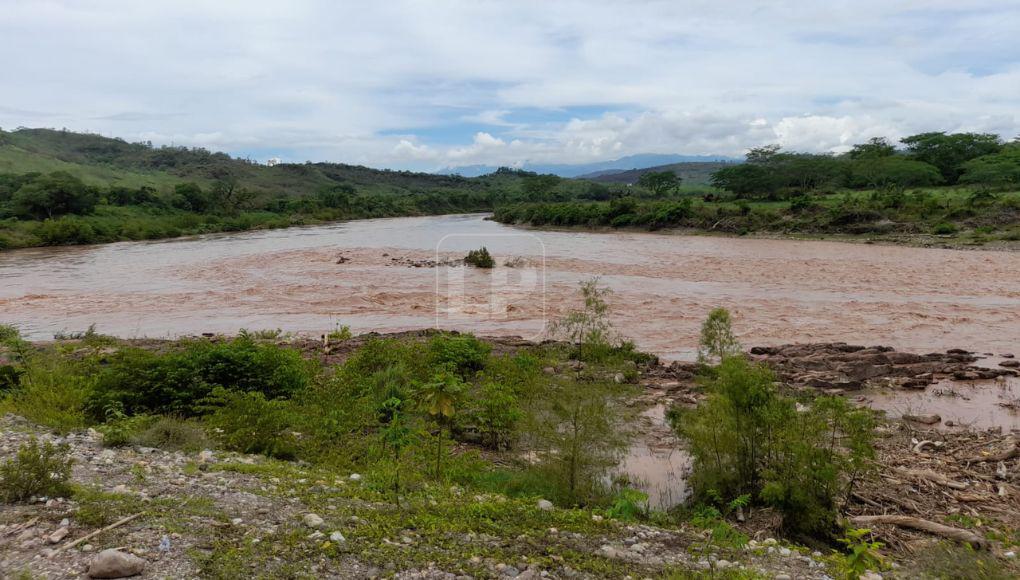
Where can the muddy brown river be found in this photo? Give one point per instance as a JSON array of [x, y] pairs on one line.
[[779, 290], [394, 274]]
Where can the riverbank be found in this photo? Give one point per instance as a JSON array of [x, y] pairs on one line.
[[210, 511], [940, 217]]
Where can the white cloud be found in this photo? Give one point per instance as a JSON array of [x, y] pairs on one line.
[[424, 85]]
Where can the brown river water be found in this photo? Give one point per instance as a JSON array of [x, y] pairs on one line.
[[779, 291]]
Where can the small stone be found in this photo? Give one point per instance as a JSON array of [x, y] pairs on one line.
[[236, 521], [315, 535], [783, 577], [355, 477], [545, 505], [510, 572], [337, 538], [206, 456], [722, 564], [784, 551], [1011, 554], [596, 518], [313, 521], [115, 564], [57, 536], [88, 548]]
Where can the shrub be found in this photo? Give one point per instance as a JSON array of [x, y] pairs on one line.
[[141, 381], [944, 229], [480, 258], [173, 434], [36, 470], [50, 391], [248, 422], [462, 354], [746, 438]]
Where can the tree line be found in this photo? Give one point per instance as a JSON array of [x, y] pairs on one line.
[[926, 159]]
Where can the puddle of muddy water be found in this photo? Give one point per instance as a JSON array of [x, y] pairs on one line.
[[964, 404], [972, 404], [655, 463]]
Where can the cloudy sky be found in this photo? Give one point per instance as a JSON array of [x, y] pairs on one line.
[[425, 85]]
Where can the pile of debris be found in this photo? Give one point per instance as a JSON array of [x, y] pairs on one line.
[[844, 366]]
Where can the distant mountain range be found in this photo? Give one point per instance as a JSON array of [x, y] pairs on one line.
[[640, 161]]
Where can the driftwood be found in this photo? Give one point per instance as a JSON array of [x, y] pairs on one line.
[[21, 527], [1010, 453], [115, 524], [932, 476], [948, 532]]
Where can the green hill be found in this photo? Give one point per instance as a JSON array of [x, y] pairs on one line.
[[104, 161]]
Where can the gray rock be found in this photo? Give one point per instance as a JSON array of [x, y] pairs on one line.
[[545, 505], [57, 536], [313, 521], [115, 564], [337, 538]]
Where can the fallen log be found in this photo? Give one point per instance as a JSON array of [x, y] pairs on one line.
[[930, 527], [1010, 453], [115, 524], [932, 476]]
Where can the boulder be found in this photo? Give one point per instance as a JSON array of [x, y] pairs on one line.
[[115, 564], [313, 521]]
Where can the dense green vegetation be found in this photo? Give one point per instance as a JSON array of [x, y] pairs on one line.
[[940, 184], [59, 187], [394, 410]]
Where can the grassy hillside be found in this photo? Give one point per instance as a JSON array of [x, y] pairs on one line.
[[103, 161], [61, 187]]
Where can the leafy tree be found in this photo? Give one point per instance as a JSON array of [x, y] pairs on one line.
[[875, 148], [336, 197], [190, 196], [1001, 169], [578, 432], [538, 187], [892, 171], [717, 340], [52, 195], [746, 180], [588, 327], [949, 152], [660, 182], [762, 155]]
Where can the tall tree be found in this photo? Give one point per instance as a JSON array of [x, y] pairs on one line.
[[949, 152]]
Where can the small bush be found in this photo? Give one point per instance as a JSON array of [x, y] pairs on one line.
[[462, 354], [36, 470], [480, 258], [172, 434], [249, 423], [944, 229]]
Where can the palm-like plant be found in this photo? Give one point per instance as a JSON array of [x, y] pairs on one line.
[[440, 398]]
